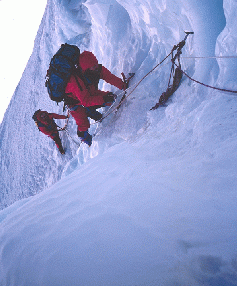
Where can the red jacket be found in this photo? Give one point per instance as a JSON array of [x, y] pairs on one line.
[[47, 124], [90, 95]]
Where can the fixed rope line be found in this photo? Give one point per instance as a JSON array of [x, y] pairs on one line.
[[137, 85], [206, 85], [66, 124], [64, 127], [107, 112], [77, 143], [214, 57]]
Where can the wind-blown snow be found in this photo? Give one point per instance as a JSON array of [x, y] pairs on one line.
[[153, 200]]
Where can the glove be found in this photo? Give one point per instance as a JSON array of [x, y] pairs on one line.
[[109, 98], [85, 137], [93, 113], [125, 84], [126, 80]]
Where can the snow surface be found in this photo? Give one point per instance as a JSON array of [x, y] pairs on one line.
[[153, 200]]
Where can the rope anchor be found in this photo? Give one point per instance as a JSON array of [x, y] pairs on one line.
[[177, 76], [176, 73]]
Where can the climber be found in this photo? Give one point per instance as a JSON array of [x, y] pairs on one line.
[[83, 96], [45, 123]]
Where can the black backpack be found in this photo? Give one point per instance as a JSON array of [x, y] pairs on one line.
[[62, 66]]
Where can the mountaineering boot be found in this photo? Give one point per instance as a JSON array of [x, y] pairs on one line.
[[93, 113], [61, 150], [85, 137]]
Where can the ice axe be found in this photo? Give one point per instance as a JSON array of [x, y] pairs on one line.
[[180, 45], [187, 33]]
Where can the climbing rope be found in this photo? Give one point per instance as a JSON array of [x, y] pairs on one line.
[[177, 47], [214, 57], [66, 123], [206, 85], [64, 128], [77, 143], [136, 85]]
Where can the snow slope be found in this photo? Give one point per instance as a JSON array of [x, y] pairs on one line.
[[153, 200], [29, 161]]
